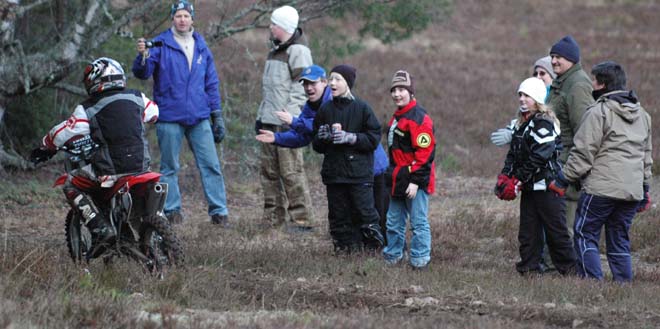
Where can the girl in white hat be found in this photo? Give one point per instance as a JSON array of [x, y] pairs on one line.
[[530, 165]]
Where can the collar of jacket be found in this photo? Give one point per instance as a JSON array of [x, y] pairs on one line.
[[401, 111], [557, 82], [297, 34], [342, 100], [168, 39]]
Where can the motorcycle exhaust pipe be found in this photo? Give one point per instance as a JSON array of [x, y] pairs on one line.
[[156, 198]]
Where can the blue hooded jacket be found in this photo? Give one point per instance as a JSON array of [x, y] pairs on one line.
[[183, 96], [302, 128]]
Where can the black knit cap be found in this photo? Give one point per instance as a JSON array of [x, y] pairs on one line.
[[346, 71]]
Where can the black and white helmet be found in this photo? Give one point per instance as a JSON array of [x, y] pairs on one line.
[[103, 74]]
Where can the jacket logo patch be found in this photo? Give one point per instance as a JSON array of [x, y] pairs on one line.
[[199, 59], [423, 140], [543, 131]]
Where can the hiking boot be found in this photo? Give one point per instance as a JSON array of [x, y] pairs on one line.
[[221, 220], [174, 217]]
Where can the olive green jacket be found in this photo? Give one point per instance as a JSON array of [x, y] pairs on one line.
[[570, 95], [612, 152]]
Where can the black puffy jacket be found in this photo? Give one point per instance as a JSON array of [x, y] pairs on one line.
[[344, 163]]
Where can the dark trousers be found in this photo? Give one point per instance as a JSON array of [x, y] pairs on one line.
[[542, 211], [350, 207], [381, 200], [593, 213]]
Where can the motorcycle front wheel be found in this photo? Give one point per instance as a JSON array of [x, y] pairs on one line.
[[78, 237], [160, 244]]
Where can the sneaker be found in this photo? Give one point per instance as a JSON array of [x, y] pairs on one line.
[[419, 264], [221, 220], [174, 217]]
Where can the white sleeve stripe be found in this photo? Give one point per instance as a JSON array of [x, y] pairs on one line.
[[541, 140]]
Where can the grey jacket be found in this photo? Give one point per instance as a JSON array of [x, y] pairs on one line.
[[612, 152], [280, 87]]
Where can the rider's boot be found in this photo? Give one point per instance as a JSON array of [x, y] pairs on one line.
[[95, 221]]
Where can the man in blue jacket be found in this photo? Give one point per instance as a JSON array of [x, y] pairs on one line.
[[186, 89]]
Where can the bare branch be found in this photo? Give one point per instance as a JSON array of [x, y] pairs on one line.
[[70, 88], [21, 10], [253, 16]]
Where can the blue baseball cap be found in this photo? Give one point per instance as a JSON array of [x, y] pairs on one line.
[[312, 73]]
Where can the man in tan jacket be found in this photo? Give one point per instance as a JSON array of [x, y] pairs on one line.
[[612, 159], [283, 179]]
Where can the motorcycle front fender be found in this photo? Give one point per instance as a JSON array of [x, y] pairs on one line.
[[60, 180]]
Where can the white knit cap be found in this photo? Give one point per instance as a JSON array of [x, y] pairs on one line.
[[534, 88], [285, 17]]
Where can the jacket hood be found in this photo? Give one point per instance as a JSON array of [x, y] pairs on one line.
[[626, 104]]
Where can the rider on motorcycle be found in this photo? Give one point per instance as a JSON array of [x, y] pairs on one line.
[[114, 117]]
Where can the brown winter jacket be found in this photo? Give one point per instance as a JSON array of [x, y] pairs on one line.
[[612, 152]]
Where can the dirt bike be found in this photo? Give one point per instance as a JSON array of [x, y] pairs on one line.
[[134, 207]]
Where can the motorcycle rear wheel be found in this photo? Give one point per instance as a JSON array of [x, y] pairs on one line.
[[160, 244], [78, 237]]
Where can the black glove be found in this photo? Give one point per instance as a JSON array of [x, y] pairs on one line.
[[257, 126], [39, 155], [324, 133], [217, 126]]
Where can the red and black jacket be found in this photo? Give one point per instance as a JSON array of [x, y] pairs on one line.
[[412, 150]]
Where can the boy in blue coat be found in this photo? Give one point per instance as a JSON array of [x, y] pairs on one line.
[[300, 134]]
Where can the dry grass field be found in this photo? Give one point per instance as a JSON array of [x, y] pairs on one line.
[[246, 276]]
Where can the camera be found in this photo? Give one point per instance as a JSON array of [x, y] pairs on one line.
[[151, 44]]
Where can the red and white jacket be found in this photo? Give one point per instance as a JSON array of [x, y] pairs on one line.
[[78, 124], [115, 121], [411, 150]]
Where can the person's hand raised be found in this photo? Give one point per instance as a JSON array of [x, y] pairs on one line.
[[266, 136]]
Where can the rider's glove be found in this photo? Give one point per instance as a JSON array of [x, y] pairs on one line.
[[41, 155], [218, 126]]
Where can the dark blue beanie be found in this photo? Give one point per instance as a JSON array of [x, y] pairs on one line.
[[568, 48]]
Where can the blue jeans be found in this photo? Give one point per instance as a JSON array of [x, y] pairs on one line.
[[420, 243], [200, 141], [616, 215]]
